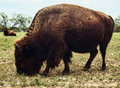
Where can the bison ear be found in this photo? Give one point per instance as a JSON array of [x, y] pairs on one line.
[[28, 50]]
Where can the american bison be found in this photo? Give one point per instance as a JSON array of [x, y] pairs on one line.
[[58, 30], [9, 33]]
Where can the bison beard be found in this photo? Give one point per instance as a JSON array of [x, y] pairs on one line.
[[58, 30]]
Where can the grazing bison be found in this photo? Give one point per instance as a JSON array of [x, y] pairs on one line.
[[58, 30], [9, 33]]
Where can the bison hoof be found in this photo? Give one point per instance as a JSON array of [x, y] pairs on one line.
[[44, 74], [65, 72], [85, 69], [103, 69]]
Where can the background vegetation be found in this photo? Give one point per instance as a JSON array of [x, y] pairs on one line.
[[94, 78], [117, 24], [18, 22]]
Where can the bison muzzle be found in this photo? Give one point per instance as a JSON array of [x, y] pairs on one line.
[[58, 30]]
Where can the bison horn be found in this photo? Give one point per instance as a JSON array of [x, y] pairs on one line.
[[17, 45]]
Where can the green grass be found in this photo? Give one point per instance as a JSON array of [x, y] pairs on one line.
[[76, 79]]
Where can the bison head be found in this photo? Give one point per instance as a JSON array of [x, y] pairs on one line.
[[27, 60], [6, 33]]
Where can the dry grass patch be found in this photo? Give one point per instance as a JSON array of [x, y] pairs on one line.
[[94, 78]]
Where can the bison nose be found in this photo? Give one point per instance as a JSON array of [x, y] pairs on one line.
[[20, 71]]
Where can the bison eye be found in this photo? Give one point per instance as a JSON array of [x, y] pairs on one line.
[[28, 50]]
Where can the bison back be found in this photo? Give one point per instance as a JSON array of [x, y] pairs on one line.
[[82, 29]]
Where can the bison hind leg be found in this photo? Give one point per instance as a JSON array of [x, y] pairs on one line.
[[103, 53], [67, 59], [92, 56]]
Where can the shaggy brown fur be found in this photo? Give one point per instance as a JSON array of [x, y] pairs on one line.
[[58, 30], [9, 33]]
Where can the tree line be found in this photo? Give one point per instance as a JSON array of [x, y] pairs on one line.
[[20, 22], [117, 24]]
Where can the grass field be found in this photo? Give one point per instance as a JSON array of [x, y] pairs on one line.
[[94, 78]]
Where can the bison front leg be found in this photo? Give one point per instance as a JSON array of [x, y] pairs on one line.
[[66, 60], [50, 64], [66, 69], [92, 56], [55, 54], [46, 71]]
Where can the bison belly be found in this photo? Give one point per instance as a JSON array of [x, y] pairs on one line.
[[83, 41]]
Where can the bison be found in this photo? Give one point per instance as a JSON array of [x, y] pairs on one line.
[[9, 33], [58, 30]]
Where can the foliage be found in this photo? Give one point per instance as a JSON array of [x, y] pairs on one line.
[[21, 21], [18, 22], [1, 28], [93, 78], [4, 20], [117, 24]]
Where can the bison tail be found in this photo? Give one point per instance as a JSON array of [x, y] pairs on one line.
[[112, 22]]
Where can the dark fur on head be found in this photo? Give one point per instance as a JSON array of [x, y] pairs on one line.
[[58, 30], [36, 52]]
